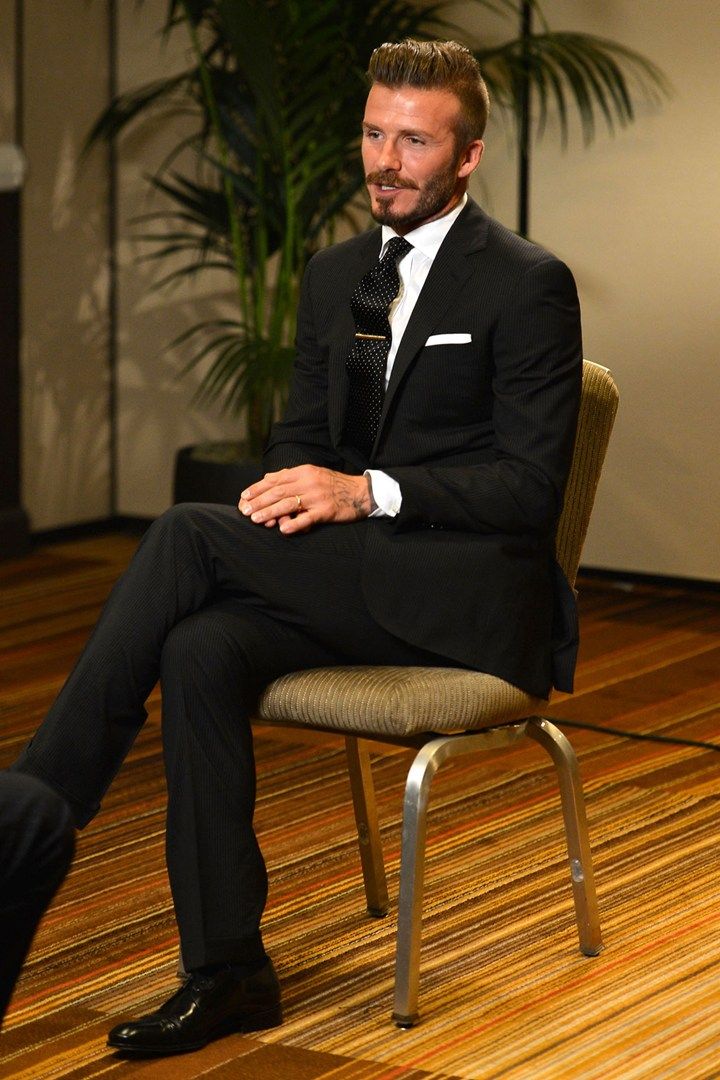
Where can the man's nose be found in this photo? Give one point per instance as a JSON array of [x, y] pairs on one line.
[[389, 158]]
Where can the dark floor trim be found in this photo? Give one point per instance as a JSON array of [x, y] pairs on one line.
[[133, 526], [626, 579]]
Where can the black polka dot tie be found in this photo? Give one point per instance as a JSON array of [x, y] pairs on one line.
[[367, 362]]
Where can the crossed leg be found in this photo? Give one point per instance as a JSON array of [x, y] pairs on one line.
[[216, 607]]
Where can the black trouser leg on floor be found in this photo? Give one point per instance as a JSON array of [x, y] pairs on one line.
[[37, 841]]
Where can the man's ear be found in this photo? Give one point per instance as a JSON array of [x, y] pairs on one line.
[[470, 158]]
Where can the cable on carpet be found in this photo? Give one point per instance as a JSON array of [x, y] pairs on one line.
[[698, 744]]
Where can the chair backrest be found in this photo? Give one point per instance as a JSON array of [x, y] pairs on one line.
[[598, 406]]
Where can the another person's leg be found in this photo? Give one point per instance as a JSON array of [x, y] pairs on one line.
[[37, 841]]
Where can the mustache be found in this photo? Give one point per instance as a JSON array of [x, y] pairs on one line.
[[390, 178]]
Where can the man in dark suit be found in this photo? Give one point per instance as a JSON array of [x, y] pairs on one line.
[[407, 516]]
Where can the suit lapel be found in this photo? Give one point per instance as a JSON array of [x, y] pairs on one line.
[[450, 269]]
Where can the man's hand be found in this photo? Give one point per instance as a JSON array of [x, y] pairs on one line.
[[298, 498]]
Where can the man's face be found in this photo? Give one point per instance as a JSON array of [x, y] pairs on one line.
[[414, 170]]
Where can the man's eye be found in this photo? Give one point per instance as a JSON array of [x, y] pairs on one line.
[[414, 140]]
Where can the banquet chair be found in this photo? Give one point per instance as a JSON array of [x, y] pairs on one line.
[[444, 712]]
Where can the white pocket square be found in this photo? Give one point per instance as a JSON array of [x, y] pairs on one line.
[[449, 339]]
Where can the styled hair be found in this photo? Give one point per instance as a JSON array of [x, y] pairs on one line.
[[436, 65]]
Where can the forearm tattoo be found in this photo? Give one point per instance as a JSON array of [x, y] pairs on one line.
[[347, 497]]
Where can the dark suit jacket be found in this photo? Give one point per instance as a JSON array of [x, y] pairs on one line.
[[479, 436]]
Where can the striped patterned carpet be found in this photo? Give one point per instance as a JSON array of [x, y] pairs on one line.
[[505, 995]]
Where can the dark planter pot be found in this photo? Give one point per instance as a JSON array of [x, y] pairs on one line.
[[214, 472]]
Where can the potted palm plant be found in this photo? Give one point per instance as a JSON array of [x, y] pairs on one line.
[[276, 88]]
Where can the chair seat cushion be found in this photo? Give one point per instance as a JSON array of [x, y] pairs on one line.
[[394, 701]]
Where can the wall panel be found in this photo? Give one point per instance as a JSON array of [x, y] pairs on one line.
[[64, 251]]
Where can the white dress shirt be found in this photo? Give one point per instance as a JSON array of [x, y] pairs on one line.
[[413, 269]]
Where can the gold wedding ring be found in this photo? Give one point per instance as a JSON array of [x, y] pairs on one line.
[[299, 506]]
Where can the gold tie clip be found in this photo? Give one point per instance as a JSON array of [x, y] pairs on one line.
[[372, 337]]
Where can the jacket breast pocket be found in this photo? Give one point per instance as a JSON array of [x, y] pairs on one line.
[[449, 384]]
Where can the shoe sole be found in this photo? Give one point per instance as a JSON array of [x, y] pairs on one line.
[[259, 1021]]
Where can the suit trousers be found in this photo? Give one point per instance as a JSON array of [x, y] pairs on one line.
[[215, 607], [37, 841]]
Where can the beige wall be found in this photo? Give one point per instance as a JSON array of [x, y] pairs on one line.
[[64, 254], [635, 216]]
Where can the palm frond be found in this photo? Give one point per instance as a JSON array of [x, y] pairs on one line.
[[242, 366], [598, 77]]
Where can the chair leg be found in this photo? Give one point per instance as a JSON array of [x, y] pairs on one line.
[[412, 859], [412, 874], [576, 831], [371, 856]]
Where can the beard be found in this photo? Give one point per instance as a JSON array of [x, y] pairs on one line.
[[432, 199]]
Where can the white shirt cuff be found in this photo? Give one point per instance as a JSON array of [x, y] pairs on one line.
[[384, 492]]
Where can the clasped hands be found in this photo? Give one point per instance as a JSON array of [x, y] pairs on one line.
[[296, 499]]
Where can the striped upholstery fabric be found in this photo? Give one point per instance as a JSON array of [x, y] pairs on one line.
[[394, 701], [598, 406], [401, 701]]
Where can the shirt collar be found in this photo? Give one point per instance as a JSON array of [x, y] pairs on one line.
[[427, 238]]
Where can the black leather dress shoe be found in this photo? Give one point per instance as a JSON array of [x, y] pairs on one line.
[[204, 1008]]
